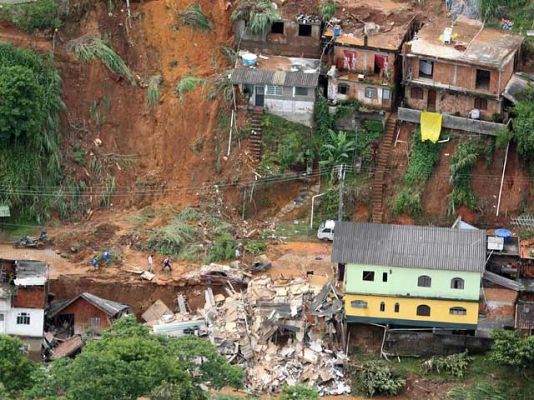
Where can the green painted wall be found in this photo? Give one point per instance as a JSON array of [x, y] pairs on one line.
[[403, 282]]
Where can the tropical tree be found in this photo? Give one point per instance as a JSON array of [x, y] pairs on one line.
[[327, 9], [338, 149], [15, 367], [21, 108], [259, 14]]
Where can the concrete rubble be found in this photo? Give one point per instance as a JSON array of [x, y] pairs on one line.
[[281, 332]]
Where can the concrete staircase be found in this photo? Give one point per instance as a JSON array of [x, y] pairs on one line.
[[255, 138], [384, 154], [303, 199]]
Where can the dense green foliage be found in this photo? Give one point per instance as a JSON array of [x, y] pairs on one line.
[[327, 9], [336, 150], [298, 392], [324, 121], [284, 144], [195, 18], [376, 377], [15, 368], [29, 125], [455, 364], [128, 362], [91, 48], [258, 14], [41, 14], [524, 128], [521, 12], [367, 139], [423, 158], [512, 349], [462, 163], [187, 84]]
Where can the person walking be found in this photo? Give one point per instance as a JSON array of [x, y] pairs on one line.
[[94, 263], [167, 264], [150, 263]]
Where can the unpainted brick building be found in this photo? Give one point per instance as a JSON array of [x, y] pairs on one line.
[[458, 69]]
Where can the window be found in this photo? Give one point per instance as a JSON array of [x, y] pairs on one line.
[[423, 310], [273, 90], [305, 30], [482, 79], [426, 69], [343, 88], [382, 306], [384, 276], [371, 93], [23, 318], [457, 311], [301, 91], [481, 104], [416, 93], [94, 322], [1, 317], [457, 283], [386, 94], [358, 304], [397, 307], [368, 275], [277, 27], [424, 281]]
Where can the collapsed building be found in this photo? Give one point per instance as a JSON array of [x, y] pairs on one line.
[[281, 331]]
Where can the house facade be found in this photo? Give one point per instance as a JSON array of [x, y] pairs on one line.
[[410, 275], [284, 86], [296, 34], [460, 69], [364, 57], [23, 299]]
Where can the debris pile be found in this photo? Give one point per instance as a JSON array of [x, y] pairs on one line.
[[282, 332]]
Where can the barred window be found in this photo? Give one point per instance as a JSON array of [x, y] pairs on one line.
[[423, 310], [358, 304], [457, 311], [23, 318], [273, 90], [371, 93], [424, 281]]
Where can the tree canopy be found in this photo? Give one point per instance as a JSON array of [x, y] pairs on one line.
[[512, 349], [15, 367]]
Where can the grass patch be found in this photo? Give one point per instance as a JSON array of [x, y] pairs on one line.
[[89, 48], [423, 158], [297, 230], [41, 14], [154, 90], [279, 155], [187, 84], [194, 17]]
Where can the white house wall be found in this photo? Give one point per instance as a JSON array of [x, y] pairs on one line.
[[34, 329], [292, 110]]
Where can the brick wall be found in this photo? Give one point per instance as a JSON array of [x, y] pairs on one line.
[[83, 311], [506, 74], [30, 297], [452, 103]]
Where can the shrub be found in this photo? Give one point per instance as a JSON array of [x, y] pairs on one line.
[[41, 14], [298, 392], [462, 163], [89, 48], [223, 248], [259, 14], [187, 84], [408, 201], [455, 364], [255, 247], [172, 238], [195, 18], [375, 377], [15, 368], [512, 349], [327, 9], [222, 88]]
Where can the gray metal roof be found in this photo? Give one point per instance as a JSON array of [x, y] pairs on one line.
[[111, 308], [280, 78], [409, 246], [516, 88]]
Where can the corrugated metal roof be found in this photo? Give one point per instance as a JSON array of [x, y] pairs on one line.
[[409, 246], [516, 88], [281, 78], [111, 308]]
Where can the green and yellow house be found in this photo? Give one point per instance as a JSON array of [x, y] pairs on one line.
[[410, 275]]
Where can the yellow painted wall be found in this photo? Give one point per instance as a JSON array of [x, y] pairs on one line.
[[439, 309]]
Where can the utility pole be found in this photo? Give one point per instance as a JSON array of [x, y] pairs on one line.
[[341, 178]]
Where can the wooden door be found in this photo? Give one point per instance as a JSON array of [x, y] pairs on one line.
[[260, 96]]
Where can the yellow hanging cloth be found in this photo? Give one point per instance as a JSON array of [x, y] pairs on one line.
[[430, 126]]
